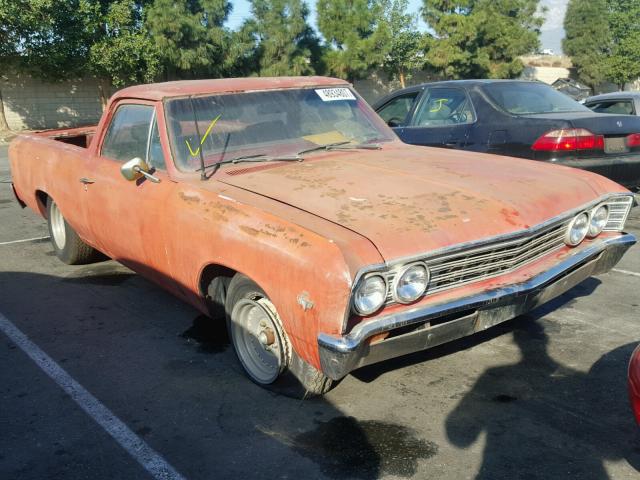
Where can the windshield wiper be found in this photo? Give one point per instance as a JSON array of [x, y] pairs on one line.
[[346, 145], [258, 157]]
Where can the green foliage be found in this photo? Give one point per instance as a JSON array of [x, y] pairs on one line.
[[45, 38], [286, 44], [122, 51], [405, 50], [624, 25], [356, 37], [190, 37], [481, 38], [588, 40]]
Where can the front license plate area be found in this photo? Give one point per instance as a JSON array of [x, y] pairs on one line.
[[615, 145]]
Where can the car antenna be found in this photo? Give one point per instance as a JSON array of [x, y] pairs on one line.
[[203, 176]]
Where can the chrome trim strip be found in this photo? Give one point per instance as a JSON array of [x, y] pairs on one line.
[[362, 331], [388, 265]]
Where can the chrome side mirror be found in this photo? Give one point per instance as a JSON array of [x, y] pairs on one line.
[[137, 168]]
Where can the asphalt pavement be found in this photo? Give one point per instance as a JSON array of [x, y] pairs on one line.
[[540, 397]]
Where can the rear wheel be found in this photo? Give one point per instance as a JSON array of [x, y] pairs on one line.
[[262, 346], [68, 246]]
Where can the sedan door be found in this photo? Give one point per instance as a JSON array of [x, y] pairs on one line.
[[441, 119]]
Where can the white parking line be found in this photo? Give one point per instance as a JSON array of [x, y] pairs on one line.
[[133, 444], [626, 272], [25, 240]]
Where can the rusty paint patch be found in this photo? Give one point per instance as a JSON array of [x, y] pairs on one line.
[[251, 231], [194, 199]]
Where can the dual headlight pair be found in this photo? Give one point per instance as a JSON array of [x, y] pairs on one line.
[[411, 281], [409, 284], [586, 224]]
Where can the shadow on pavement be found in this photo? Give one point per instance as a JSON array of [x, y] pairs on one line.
[[168, 373], [517, 405]]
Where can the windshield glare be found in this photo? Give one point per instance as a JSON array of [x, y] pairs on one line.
[[276, 122], [531, 98]]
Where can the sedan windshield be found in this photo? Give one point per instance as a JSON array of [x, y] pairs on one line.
[[526, 98], [215, 128]]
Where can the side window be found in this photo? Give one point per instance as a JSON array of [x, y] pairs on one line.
[[620, 107], [155, 157], [395, 111], [444, 106], [128, 133]]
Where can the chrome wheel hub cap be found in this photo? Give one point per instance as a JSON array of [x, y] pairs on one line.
[[57, 227], [257, 339]]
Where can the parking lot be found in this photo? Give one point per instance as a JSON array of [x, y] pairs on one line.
[[542, 396]]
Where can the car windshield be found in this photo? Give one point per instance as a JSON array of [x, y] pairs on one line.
[[273, 122], [523, 98]]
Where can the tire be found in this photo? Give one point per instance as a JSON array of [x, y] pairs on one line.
[[262, 346], [67, 245]]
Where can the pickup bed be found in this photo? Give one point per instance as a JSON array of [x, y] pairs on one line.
[[80, 137], [287, 208]]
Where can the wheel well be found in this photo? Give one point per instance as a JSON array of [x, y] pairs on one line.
[[41, 198], [214, 282]]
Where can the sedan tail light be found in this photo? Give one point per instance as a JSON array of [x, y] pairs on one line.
[[568, 139], [633, 140]]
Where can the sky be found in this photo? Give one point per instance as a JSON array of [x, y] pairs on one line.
[[552, 31]]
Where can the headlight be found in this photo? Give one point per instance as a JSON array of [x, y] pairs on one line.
[[599, 218], [577, 229], [411, 282], [370, 295]]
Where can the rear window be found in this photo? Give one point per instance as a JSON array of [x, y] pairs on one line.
[[620, 107], [530, 98]]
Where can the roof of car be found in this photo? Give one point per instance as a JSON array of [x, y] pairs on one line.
[[159, 91], [465, 83], [612, 96]]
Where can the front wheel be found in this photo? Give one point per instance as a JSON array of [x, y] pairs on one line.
[[262, 346], [68, 246]]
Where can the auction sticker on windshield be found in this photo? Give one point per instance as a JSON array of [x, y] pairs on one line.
[[331, 94]]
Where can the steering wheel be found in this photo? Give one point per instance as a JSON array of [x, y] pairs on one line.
[[459, 117], [394, 122]]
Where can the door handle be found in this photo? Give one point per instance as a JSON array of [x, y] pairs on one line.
[[87, 181]]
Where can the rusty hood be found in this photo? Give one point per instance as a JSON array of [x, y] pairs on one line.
[[409, 200]]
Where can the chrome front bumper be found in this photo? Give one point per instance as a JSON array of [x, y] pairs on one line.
[[424, 327]]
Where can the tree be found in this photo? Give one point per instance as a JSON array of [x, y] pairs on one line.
[[190, 37], [405, 50], [121, 52], [356, 38], [624, 25], [482, 38], [284, 38], [7, 52], [588, 40], [45, 38]]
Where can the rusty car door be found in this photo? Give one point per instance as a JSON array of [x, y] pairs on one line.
[[126, 216]]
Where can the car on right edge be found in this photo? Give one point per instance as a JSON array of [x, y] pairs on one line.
[[516, 118], [615, 103]]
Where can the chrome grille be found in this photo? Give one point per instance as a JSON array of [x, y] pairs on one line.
[[462, 266], [487, 261], [619, 208]]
